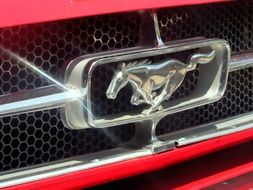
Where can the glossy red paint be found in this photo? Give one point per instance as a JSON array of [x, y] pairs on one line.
[[133, 167], [214, 169], [14, 12], [231, 168], [219, 177], [241, 182]]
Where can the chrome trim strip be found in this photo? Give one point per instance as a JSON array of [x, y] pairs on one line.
[[181, 138], [69, 166], [36, 99], [209, 134], [53, 96], [157, 29], [59, 95], [37, 70], [117, 155], [241, 61], [217, 129]]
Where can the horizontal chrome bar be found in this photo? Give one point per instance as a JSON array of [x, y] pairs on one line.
[[212, 133], [56, 96], [36, 99], [52, 96], [32, 67], [211, 130], [71, 165], [241, 61]]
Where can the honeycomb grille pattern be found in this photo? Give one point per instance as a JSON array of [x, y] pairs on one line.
[[238, 99], [40, 137], [232, 21], [50, 45]]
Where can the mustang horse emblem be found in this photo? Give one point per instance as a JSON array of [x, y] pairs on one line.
[[154, 82]]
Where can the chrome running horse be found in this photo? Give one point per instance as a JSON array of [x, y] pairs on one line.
[[146, 79]]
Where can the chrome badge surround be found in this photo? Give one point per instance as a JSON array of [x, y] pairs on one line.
[[210, 88]]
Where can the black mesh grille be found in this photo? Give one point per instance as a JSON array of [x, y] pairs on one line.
[[40, 137], [238, 99], [232, 21], [50, 45]]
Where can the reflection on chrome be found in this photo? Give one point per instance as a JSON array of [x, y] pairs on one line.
[[147, 78], [32, 67], [51, 96]]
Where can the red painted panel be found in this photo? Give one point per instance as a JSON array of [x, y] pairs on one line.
[[241, 182], [16, 12], [227, 169], [132, 167]]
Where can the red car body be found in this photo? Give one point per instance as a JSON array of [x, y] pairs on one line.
[[15, 12]]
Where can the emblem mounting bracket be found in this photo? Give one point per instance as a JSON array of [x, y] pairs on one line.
[[145, 136]]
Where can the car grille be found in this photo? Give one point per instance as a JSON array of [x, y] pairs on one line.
[[231, 21], [40, 137], [238, 99]]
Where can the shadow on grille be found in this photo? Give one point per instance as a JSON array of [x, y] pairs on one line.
[[232, 21], [39, 137]]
